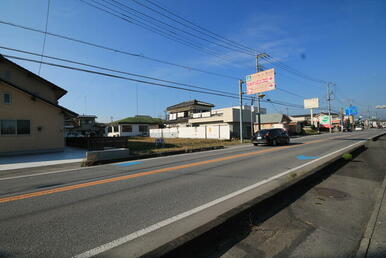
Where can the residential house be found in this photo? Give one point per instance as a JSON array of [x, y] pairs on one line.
[[83, 125], [276, 120], [179, 114], [133, 126], [303, 119], [31, 119], [229, 116]]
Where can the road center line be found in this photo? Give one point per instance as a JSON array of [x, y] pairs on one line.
[[151, 172]]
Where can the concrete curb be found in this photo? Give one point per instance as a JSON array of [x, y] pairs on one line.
[[153, 155], [365, 242], [165, 237]]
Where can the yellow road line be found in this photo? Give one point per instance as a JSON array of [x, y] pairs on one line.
[[146, 173]]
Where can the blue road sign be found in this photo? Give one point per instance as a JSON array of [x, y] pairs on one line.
[[352, 110]]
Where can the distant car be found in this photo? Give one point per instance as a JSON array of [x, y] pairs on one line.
[[273, 136], [359, 128]]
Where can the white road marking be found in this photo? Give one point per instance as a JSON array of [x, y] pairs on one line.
[[144, 231]]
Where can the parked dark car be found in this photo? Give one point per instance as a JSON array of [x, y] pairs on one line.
[[274, 136]]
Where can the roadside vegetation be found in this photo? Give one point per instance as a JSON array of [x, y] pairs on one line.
[[147, 145]]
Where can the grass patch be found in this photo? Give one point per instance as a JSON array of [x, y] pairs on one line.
[[309, 131], [146, 145]]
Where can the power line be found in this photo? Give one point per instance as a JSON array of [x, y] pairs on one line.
[[117, 50], [280, 64], [116, 76], [45, 34], [169, 25], [112, 70], [202, 30], [189, 68], [291, 93], [206, 91], [158, 30]]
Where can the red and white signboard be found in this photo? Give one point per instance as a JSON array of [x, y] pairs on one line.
[[261, 82]]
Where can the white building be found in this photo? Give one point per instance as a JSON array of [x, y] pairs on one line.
[[223, 123]]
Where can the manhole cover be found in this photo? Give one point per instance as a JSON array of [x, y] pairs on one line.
[[332, 193]]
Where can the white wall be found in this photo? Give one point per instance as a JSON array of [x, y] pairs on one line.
[[134, 132], [199, 132]]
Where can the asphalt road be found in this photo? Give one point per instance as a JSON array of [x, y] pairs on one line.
[[70, 212]]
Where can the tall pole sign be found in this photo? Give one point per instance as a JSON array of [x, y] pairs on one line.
[[260, 82], [311, 104]]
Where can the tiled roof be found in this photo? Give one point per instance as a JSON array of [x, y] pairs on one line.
[[190, 103], [140, 120]]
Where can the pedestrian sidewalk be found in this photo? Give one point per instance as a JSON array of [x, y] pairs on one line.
[[377, 238], [69, 155]]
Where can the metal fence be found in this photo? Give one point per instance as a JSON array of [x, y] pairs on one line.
[[97, 143]]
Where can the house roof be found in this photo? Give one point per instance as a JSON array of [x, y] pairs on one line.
[[67, 111], [190, 103], [140, 120], [61, 91], [307, 115], [273, 118], [87, 116]]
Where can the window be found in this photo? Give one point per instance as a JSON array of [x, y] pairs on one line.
[[109, 129], [127, 128], [12, 127], [143, 128], [7, 98], [23, 127], [8, 127], [116, 129]]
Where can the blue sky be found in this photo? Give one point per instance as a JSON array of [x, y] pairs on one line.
[[338, 41]]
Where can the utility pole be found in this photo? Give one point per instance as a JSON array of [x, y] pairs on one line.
[[259, 69], [241, 109], [341, 119], [329, 94], [252, 129]]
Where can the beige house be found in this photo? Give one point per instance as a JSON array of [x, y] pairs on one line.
[[31, 120], [274, 121]]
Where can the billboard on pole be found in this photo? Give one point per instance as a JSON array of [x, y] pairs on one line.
[[261, 82], [311, 103]]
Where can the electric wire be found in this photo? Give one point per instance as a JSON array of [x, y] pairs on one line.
[[272, 60], [127, 7], [111, 70], [160, 31], [189, 68], [207, 91], [45, 35]]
